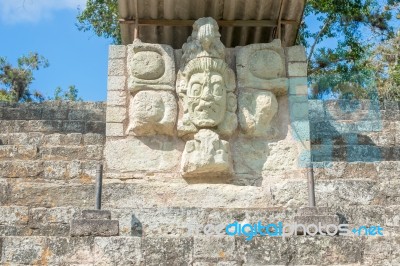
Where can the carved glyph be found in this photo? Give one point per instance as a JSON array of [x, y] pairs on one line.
[[262, 66], [151, 80], [152, 112], [256, 110], [150, 66], [206, 154]]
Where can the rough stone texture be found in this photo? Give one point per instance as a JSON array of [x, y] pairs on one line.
[[126, 195], [115, 83], [116, 67], [283, 155], [207, 247], [24, 250], [116, 51], [96, 215], [262, 66], [297, 69], [167, 250], [14, 215], [256, 110], [115, 130], [250, 155], [296, 54], [116, 114], [116, 97], [70, 250], [94, 227], [318, 250], [298, 86], [151, 113], [144, 154], [150, 66], [118, 251]]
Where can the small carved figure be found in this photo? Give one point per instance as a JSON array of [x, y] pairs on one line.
[[206, 154]]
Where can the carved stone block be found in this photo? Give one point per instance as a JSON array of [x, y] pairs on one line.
[[205, 83], [206, 154], [150, 66], [256, 110], [152, 112], [262, 66]]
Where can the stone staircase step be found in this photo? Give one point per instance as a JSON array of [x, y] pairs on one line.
[[354, 153], [51, 126], [289, 194], [20, 221], [356, 170], [82, 170], [51, 139], [130, 250], [21, 152], [72, 152]]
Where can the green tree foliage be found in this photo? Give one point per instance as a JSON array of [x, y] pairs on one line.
[[357, 26], [101, 17], [70, 95], [385, 62], [15, 80]]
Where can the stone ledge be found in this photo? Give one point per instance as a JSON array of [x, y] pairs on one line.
[[96, 214], [94, 227], [297, 250]]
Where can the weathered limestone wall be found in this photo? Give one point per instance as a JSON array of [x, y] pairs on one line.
[[48, 154], [48, 158]]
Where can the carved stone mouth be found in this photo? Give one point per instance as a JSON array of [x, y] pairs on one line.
[[207, 107]]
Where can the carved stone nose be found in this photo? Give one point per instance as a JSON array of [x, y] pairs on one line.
[[206, 95]]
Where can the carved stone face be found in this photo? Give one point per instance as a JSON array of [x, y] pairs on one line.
[[206, 98]]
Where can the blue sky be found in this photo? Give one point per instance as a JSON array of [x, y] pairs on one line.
[[48, 27]]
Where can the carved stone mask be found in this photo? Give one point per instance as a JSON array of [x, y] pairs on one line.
[[206, 94], [205, 83], [204, 91]]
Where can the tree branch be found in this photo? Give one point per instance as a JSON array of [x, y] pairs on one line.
[[327, 23]]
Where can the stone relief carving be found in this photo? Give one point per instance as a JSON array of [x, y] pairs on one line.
[[205, 114], [206, 89], [152, 106], [152, 112], [204, 41], [205, 83], [205, 86], [262, 66], [256, 110], [150, 66], [206, 154]]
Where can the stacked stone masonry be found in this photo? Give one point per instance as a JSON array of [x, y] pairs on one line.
[[47, 179]]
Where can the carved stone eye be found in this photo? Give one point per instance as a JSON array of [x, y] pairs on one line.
[[217, 89], [195, 90]]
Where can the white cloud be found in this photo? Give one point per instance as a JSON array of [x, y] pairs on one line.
[[16, 11]]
